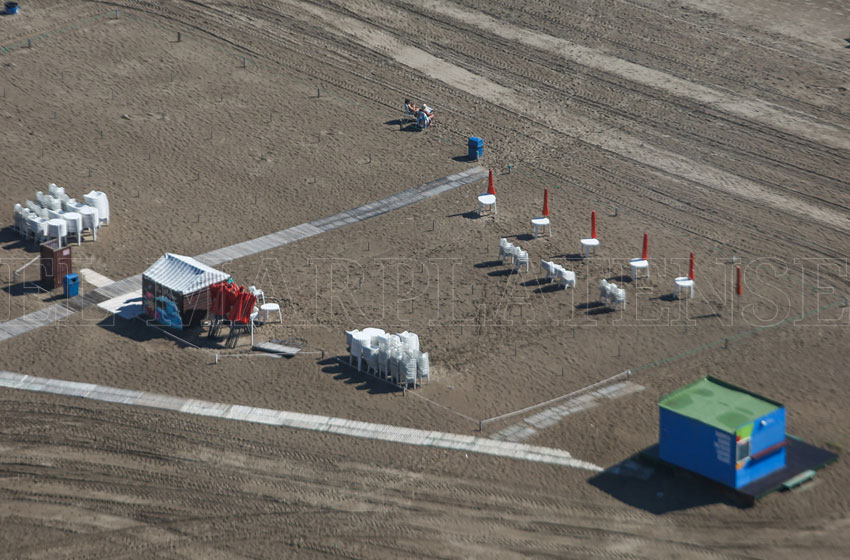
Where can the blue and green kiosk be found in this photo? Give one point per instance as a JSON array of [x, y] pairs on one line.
[[735, 437]]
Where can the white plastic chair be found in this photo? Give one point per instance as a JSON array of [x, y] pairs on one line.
[[619, 298], [90, 218], [257, 293], [603, 291], [423, 367], [408, 114], [548, 268], [521, 259], [100, 201], [506, 250], [566, 278]]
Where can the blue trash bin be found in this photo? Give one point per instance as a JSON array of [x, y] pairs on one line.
[[71, 285], [476, 148], [11, 8]]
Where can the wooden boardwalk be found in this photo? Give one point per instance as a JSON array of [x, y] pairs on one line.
[[531, 425], [339, 426], [58, 311]]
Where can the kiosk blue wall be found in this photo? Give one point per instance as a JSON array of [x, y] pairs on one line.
[[723, 432]]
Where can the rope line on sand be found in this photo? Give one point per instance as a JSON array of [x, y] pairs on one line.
[[297, 420]]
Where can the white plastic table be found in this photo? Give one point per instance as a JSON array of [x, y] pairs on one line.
[[684, 283], [75, 224], [540, 224], [90, 219], [637, 264], [487, 200], [267, 308], [372, 332], [57, 227], [588, 244]]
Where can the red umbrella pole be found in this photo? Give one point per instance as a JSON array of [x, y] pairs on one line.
[[740, 284]]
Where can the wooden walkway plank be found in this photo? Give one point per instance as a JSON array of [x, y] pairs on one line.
[[338, 426]]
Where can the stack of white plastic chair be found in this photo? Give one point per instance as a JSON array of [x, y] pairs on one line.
[[370, 356], [407, 368], [357, 343], [349, 341], [58, 193], [19, 219], [506, 250], [409, 341], [53, 214], [51, 203], [36, 226], [100, 201], [384, 362], [423, 367], [395, 358], [34, 207]]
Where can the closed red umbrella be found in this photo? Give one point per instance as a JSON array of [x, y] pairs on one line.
[[645, 254], [490, 188], [593, 225], [546, 204], [691, 268], [234, 307]]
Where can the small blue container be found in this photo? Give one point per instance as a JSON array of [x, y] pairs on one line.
[[11, 8], [476, 148], [71, 285]]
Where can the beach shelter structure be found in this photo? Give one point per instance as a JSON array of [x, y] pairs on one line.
[[722, 432], [176, 290]]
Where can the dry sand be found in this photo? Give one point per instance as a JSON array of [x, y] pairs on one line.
[[715, 128]]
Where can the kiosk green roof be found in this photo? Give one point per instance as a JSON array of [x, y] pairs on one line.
[[718, 404]]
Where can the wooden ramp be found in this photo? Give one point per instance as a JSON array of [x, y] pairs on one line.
[[273, 348]]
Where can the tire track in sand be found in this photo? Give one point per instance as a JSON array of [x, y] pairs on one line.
[[586, 129]]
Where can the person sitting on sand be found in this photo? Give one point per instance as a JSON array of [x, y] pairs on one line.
[[422, 118], [411, 107], [429, 112]]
